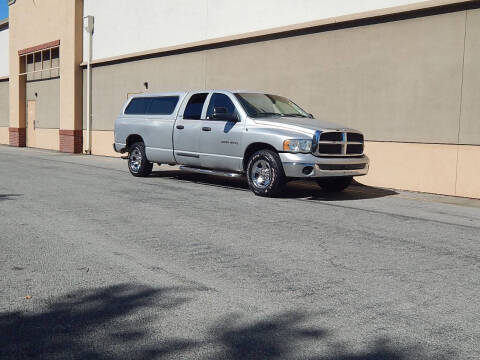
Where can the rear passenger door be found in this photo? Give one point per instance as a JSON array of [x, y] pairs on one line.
[[221, 135], [186, 133], [160, 118]]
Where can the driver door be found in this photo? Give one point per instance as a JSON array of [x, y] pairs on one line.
[[221, 135]]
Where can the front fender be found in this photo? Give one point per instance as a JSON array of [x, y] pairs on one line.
[[273, 136]]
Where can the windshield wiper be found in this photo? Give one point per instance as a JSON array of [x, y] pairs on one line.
[[267, 114], [294, 115]]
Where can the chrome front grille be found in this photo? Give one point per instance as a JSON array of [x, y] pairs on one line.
[[338, 143]]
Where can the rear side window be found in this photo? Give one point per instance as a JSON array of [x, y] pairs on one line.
[[138, 106], [163, 105], [193, 111]]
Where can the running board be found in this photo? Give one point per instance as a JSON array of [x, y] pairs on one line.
[[211, 172]]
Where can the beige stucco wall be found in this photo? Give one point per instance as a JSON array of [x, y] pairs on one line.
[[4, 104], [470, 124], [468, 179], [412, 166], [434, 168], [102, 143], [3, 135], [112, 84], [45, 139], [37, 22], [47, 102], [397, 81]]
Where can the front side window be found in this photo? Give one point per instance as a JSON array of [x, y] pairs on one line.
[[265, 105], [221, 101], [193, 110], [163, 105], [138, 106]]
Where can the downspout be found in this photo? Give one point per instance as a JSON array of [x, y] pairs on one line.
[[88, 22]]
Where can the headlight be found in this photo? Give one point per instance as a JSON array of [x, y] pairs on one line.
[[297, 146]]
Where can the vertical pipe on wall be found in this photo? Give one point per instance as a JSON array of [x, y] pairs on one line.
[[88, 23]]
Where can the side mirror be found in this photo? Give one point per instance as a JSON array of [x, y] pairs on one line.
[[221, 113]]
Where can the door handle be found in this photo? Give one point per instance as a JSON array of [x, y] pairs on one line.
[[180, 127], [206, 129]]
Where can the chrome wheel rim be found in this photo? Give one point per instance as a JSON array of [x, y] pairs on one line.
[[261, 174], [135, 160]]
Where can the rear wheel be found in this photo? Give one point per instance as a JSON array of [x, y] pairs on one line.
[[137, 160], [335, 184], [265, 173]]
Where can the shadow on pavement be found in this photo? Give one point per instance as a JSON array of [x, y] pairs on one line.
[[9, 196], [117, 323], [284, 336], [294, 190], [272, 338], [91, 324]]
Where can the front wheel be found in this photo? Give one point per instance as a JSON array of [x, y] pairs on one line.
[[335, 184], [137, 160], [265, 173]]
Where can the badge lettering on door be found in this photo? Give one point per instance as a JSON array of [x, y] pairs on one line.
[[228, 142]]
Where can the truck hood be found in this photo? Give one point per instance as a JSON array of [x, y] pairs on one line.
[[303, 125]]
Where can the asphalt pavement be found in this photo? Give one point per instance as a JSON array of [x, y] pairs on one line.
[[97, 264]]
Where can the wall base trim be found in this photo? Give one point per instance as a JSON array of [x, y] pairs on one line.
[[17, 137], [71, 141], [431, 168]]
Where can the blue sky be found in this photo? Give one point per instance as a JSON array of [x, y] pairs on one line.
[[3, 9]]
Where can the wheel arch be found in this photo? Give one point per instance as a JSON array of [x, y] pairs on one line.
[[252, 149], [132, 139]]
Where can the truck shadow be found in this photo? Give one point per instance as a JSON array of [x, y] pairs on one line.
[[295, 189]]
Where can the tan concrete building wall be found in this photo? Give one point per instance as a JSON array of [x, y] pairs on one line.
[[46, 94], [470, 116], [45, 139], [39, 22], [397, 81], [4, 104], [112, 84], [4, 135], [401, 82], [435, 168]]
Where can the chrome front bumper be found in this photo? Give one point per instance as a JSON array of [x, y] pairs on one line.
[[297, 166], [120, 148]]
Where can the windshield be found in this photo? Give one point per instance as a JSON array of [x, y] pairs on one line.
[[264, 105]]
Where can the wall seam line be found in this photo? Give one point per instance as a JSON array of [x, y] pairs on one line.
[[461, 100], [206, 51]]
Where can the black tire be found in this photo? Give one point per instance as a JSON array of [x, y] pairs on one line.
[[265, 161], [138, 164], [335, 184]]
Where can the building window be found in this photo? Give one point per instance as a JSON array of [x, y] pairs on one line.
[[42, 64]]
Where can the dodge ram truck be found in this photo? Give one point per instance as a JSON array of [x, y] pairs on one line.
[[266, 138]]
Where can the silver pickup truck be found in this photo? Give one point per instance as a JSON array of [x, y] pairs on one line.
[[266, 137]]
